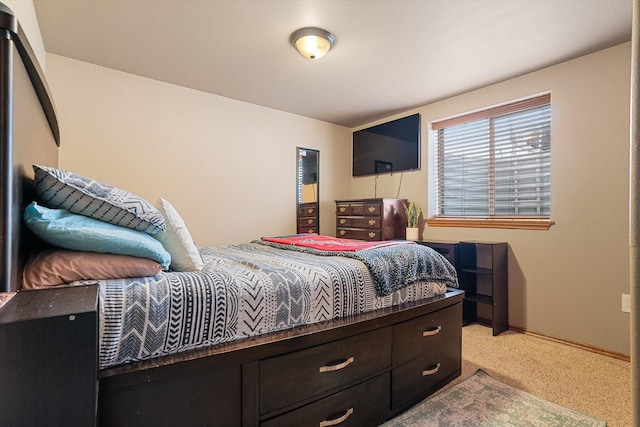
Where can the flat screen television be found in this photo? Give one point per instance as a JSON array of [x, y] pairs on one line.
[[386, 148]]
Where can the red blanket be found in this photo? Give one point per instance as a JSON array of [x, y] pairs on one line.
[[332, 244]]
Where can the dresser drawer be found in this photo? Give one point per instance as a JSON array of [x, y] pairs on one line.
[[346, 209], [322, 368], [374, 209], [358, 234], [308, 210], [426, 334], [359, 222], [412, 381], [359, 209], [307, 222], [307, 230], [365, 404]]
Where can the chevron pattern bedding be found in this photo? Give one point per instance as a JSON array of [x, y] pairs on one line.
[[244, 290]]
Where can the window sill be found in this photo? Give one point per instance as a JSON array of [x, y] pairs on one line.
[[505, 222]]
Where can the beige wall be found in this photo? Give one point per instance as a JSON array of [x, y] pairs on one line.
[[566, 282], [229, 167]]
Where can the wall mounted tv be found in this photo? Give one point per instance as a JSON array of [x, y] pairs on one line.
[[388, 147]]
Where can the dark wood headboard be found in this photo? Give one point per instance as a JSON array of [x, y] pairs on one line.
[[29, 135]]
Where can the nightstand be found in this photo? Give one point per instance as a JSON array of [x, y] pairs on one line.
[[49, 357], [483, 275]]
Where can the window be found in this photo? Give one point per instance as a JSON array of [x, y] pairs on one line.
[[495, 164]]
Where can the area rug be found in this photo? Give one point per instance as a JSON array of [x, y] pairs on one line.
[[484, 401]]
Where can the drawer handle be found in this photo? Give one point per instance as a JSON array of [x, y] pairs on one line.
[[342, 209], [372, 222], [342, 220], [372, 209], [310, 210], [341, 365], [309, 221], [342, 232], [431, 371], [336, 421], [431, 332], [372, 234]]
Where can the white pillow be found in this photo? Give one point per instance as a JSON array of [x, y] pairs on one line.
[[178, 241]]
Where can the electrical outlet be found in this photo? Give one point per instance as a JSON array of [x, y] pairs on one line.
[[626, 303]]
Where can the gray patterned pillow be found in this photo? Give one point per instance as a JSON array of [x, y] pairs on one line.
[[60, 189]]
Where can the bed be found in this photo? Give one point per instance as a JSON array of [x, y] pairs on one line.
[[269, 332]]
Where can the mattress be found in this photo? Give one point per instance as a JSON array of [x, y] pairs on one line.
[[244, 290]]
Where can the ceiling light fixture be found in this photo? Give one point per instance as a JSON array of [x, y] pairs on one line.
[[312, 42]]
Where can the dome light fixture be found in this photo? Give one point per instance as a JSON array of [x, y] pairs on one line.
[[311, 42]]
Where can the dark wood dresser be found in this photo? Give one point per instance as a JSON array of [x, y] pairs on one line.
[[371, 219], [308, 218]]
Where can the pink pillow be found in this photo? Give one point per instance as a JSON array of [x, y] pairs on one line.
[[59, 266]]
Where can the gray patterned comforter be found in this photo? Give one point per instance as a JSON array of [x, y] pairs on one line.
[[245, 290], [395, 266]]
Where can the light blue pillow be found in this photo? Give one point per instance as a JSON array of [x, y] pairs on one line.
[[67, 230]]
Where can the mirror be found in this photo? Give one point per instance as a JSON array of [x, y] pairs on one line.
[[308, 193]]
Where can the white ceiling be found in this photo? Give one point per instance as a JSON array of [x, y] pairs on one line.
[[390, 55]]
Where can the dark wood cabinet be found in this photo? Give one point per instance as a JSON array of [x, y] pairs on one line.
[[371, 219], [49, 357], [308, 218], [483, 275]]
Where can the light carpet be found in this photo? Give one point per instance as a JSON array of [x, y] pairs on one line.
[[481, 400]]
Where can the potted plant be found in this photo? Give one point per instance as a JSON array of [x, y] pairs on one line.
[[413, 212]]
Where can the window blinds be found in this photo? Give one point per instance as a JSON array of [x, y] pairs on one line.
[[496, 162]]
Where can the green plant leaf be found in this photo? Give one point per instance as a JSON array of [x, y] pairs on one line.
[[413, 211]]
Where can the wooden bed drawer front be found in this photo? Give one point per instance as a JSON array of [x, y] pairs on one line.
[[294, 377], [359, 234], [412, 381], [359, 222], [426, 334], [365, 404], [176, 400]]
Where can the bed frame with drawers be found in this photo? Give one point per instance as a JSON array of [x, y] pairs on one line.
[[310, 375]]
